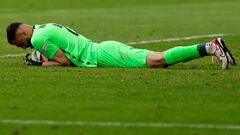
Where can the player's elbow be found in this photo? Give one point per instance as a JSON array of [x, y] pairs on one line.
[[61, 58], [62, 61]]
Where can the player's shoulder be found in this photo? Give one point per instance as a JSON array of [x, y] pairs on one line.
[[44, 27], [41, 32]]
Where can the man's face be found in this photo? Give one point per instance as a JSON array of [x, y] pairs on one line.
[[22, 38]]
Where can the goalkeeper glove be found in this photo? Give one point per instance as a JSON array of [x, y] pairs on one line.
[[33, 59]]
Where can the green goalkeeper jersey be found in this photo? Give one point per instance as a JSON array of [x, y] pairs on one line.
[[49, 38]]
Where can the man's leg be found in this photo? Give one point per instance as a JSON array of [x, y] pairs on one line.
[[116, 54], [176, 55], [156, 60]]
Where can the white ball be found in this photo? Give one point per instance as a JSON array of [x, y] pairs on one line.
[[36, 56]]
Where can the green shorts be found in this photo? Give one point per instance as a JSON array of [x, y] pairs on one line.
[[116, 54]]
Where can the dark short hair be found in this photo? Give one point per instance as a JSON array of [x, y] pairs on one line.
[[11, 31]]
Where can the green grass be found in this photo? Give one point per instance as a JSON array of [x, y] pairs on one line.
[[191, 93]]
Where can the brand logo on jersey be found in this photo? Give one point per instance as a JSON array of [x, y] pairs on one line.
[[44, 49]]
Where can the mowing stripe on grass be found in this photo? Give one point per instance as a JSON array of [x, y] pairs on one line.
[[143, 42], [119, 124]]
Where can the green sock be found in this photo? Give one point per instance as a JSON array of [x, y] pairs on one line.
[[181, 54]]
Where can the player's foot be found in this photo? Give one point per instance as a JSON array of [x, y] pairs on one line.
[[230, 57], [218, 49]]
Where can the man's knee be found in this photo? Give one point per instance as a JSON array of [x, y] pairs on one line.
[[156, 60]]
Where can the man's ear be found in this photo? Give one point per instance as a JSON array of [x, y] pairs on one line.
[[24, 33]]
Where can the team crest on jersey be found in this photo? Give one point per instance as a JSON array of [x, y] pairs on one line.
[[44, 49]]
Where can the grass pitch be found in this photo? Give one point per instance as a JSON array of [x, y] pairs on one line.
[[191, 93]]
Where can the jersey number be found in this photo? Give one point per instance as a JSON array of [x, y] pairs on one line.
[[70, 30]]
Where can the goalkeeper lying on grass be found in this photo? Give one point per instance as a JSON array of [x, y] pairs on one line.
[[63, 46]]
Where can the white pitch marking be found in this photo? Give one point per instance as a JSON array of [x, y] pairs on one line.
[[13, 55], [177, 39], [119, 124], [143, 42]]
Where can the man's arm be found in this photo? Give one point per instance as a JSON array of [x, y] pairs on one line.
[[50, 63], [58, 60]]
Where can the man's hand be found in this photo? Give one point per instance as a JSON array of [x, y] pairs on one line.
[[33, 59], [36, 59], [31, 62]]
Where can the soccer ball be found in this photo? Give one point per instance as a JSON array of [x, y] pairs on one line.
[[36, 56]]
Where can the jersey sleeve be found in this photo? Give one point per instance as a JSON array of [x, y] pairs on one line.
[[45, 46]]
